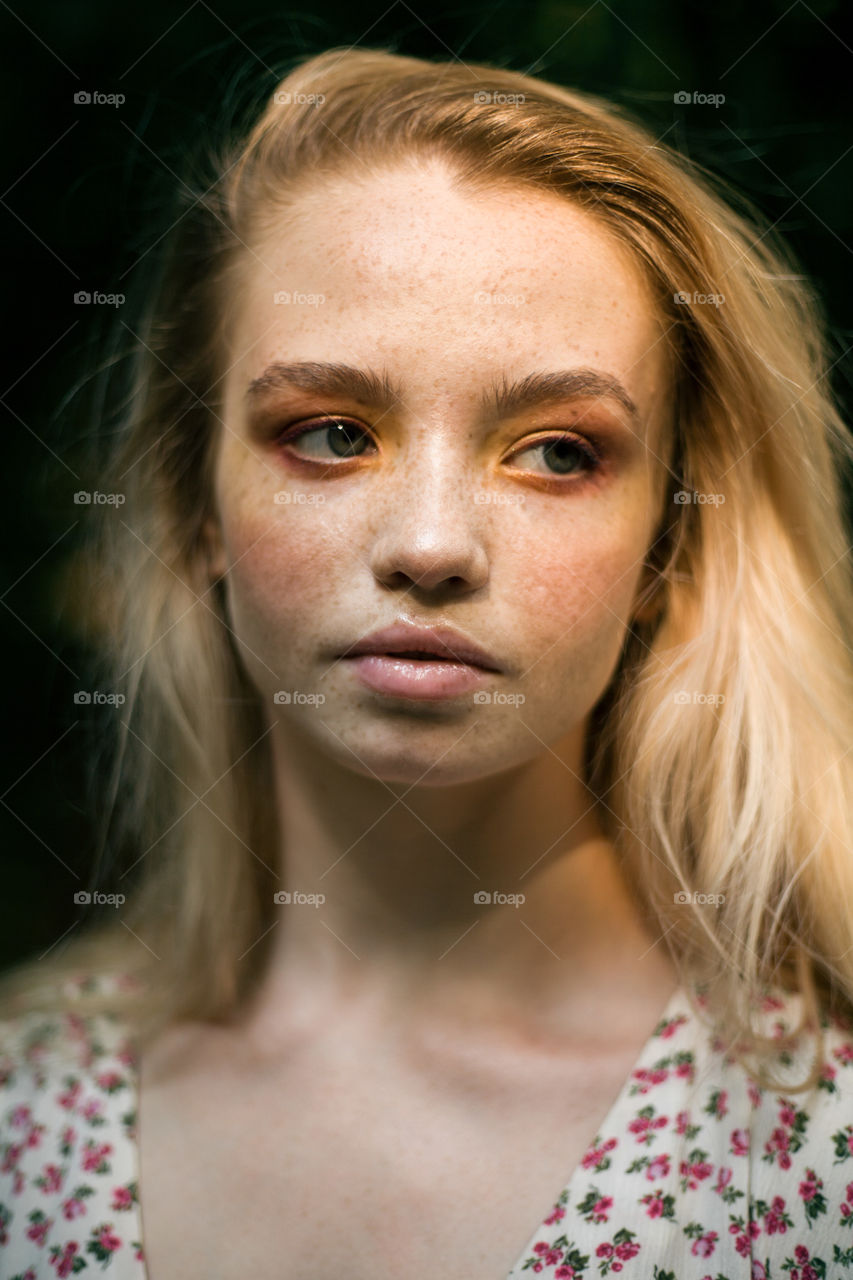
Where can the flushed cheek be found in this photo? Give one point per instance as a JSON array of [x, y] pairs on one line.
[[574, 600], [283, 580]]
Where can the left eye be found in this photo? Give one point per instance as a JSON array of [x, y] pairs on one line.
[[343, 439], [566, 455]]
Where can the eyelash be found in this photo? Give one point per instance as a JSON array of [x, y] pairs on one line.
[[592, 460]]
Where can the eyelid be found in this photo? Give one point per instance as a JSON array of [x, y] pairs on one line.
[[317, 421], [593, 468], [552, 435]]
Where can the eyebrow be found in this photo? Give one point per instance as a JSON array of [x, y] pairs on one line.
[[501, 398]]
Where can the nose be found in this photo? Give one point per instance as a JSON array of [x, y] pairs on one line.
[[429, 524]]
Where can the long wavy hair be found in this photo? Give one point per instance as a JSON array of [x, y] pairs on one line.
[[719, 754]]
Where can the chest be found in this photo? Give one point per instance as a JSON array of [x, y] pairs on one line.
[[346, 1167]]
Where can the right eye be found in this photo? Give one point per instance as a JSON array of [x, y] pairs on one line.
[[328, 439]]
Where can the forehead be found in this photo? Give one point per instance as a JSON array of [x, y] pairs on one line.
[[403, 267]]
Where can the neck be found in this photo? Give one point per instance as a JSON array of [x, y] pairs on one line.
[[400, 868]]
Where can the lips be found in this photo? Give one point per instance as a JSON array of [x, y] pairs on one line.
[[424, 644]]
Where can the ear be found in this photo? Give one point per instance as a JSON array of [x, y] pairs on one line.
[[215, 550]]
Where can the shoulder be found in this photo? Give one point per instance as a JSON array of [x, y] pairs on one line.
[[801, 1145], [68, 1161]]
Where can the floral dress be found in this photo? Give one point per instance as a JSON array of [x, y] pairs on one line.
[[695, 1173]]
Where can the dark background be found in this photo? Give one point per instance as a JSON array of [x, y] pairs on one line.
[[87, 191]]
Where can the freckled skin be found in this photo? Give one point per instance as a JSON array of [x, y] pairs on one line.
[[547, 584], [489, 796]]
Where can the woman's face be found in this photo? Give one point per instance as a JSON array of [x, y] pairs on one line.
[[444, 503]]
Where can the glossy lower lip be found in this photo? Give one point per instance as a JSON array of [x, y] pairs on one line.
[[417, 677]]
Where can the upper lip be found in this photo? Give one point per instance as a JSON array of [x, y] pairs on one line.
[[445, 642]]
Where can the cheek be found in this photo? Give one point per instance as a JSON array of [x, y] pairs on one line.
[[282, 571], [578, 587]]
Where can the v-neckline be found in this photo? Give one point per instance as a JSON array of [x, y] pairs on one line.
[[675, 1003], [607, 1127]]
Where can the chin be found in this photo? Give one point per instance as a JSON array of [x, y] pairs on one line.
[[427, 754]]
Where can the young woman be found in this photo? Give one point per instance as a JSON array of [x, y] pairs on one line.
[[482, 603]]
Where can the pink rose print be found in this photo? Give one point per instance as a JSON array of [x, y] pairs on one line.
[[705, 1245], [63, 1259], [109, 1081], [39, 1229], [596, 1157], [548, 1254], [35, 1135], [95, 1158], [739, 1142], [658, 1168], [69, 1098], [51, 1179], [692, 1173], [643, 1124], [776, 1219], [93, 1110], [73, 1208], [122, 1198]]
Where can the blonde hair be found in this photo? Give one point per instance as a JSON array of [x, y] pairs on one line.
[[719, 753]]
